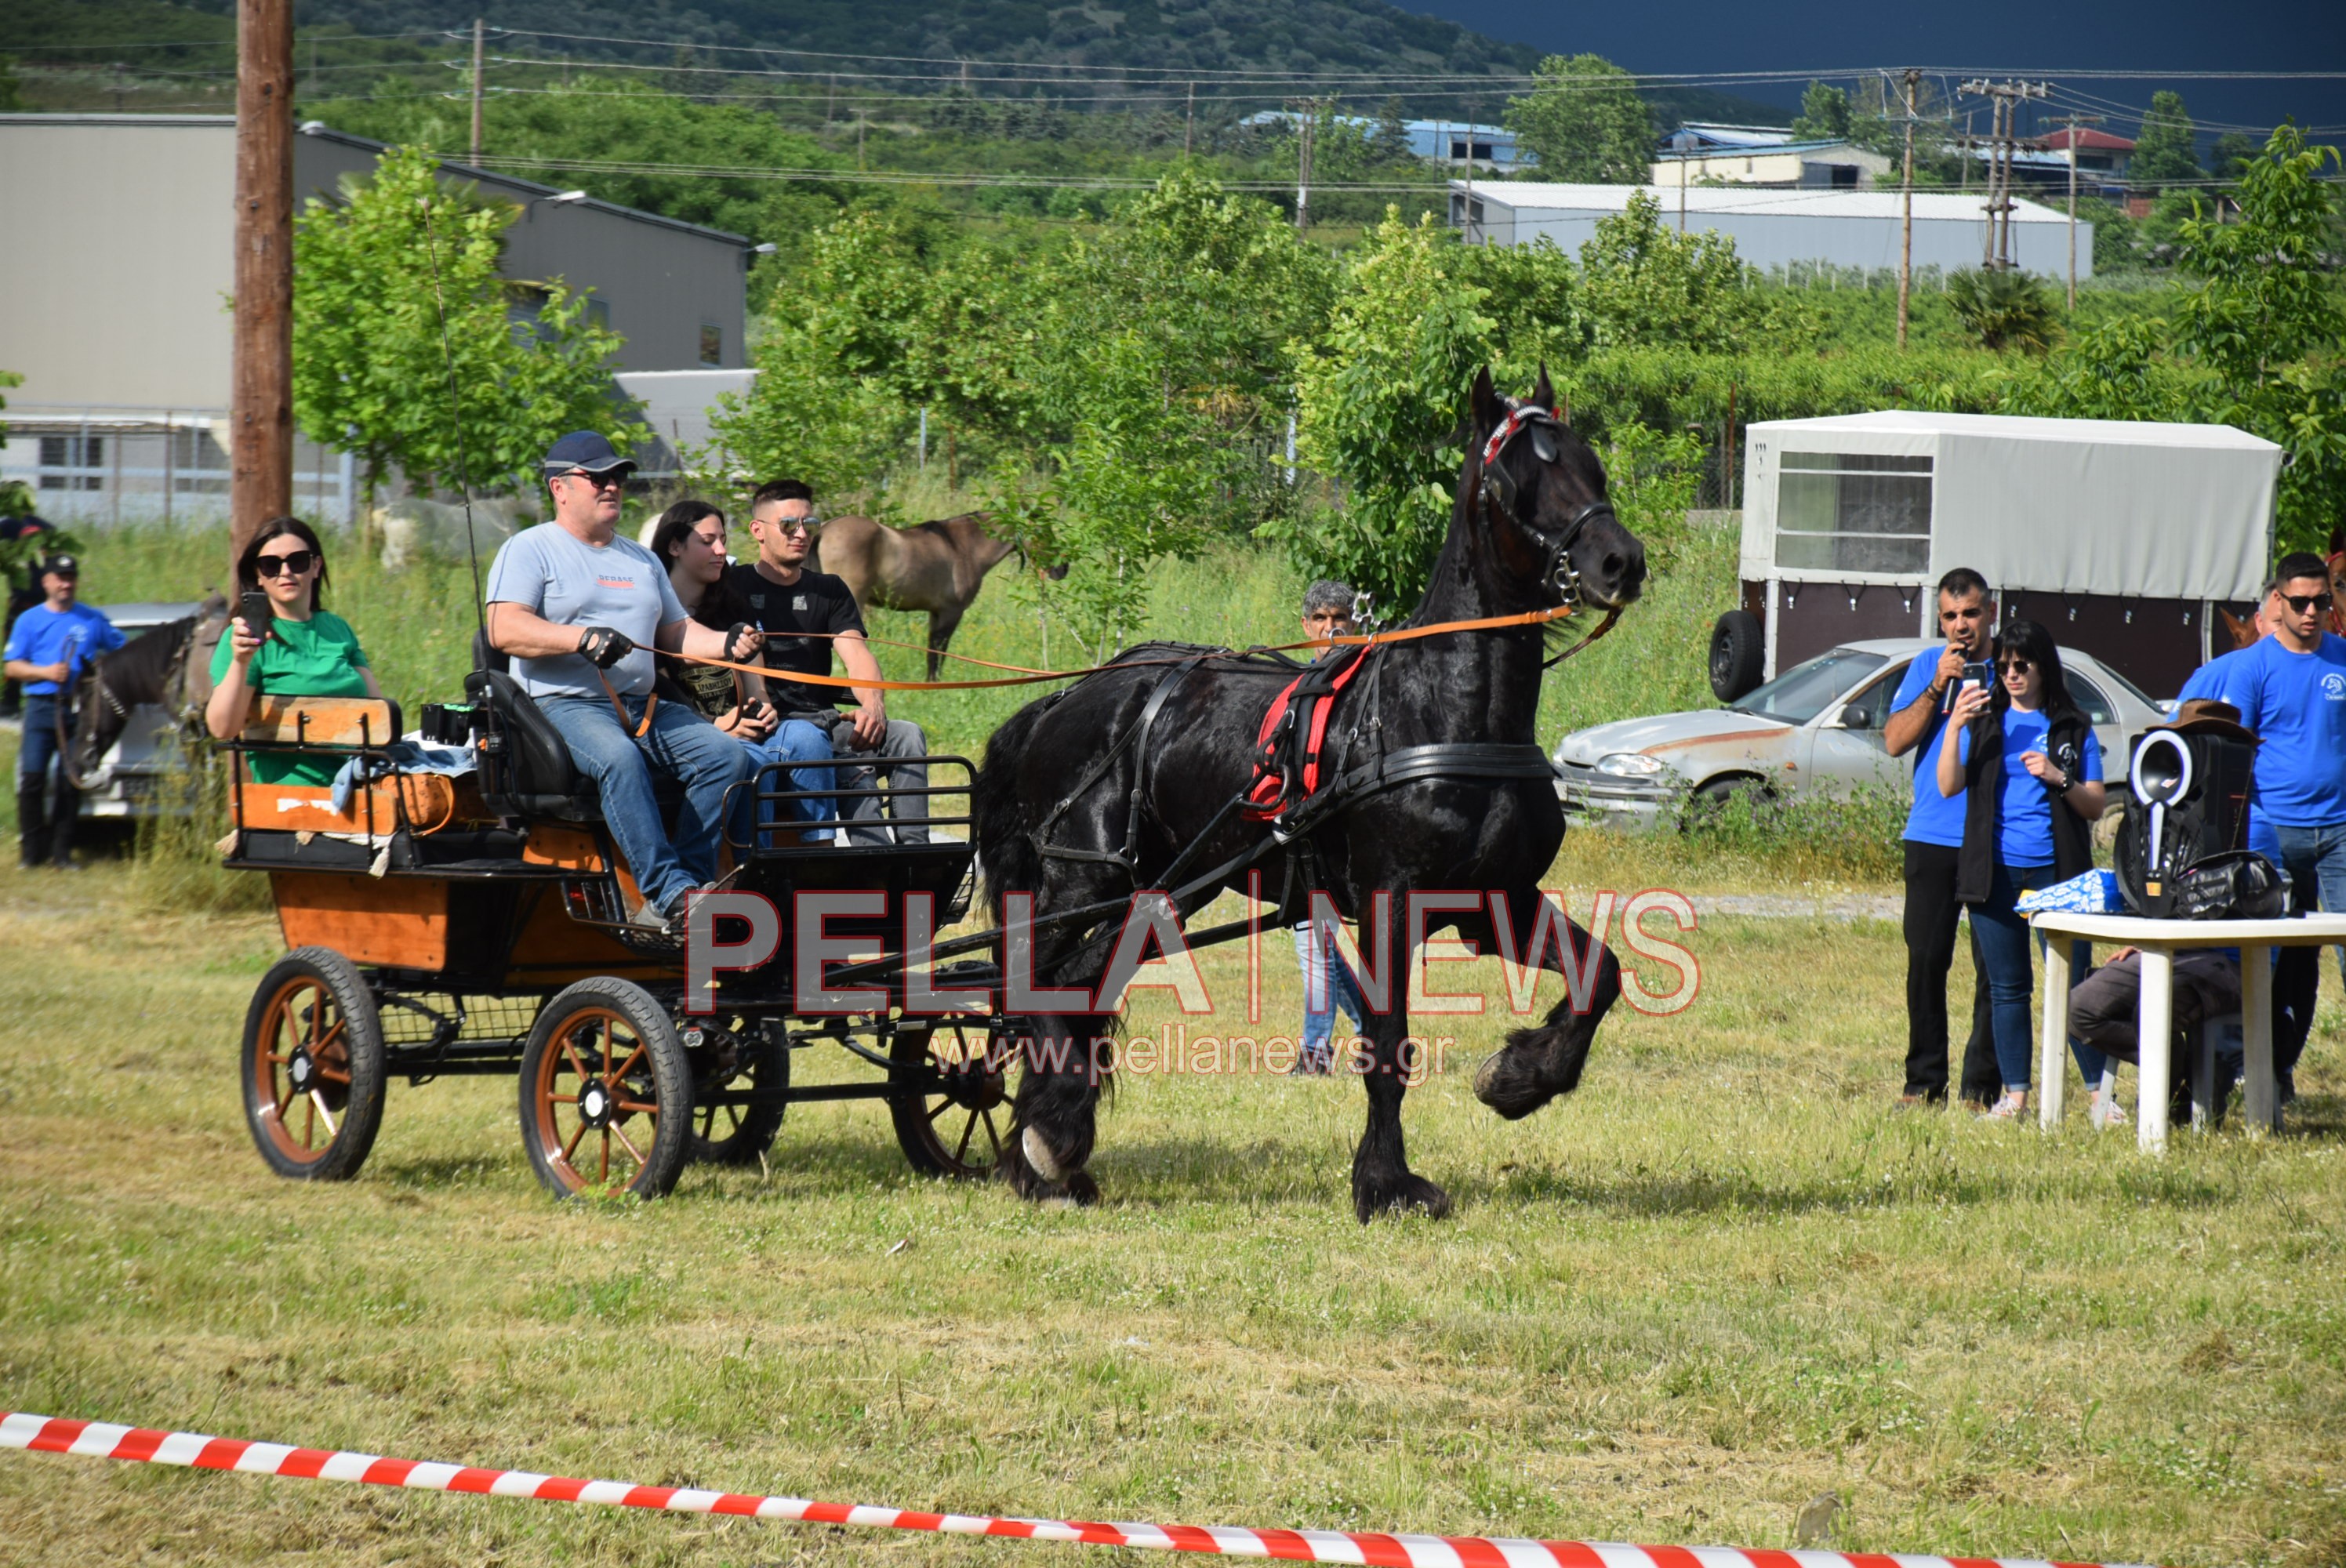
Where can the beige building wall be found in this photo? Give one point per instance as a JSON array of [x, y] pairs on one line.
[[1760, 166], [113, 285]]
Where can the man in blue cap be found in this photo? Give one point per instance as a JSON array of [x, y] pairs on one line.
[[579, 608], [49, 648]]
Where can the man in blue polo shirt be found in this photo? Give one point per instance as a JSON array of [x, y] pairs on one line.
[[1934, 833], [2291, 689], [49, 648]]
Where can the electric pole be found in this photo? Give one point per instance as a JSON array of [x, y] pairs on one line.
[[2004, 99], [480, 41], [1906, 221], [1189, 126], [1308, 121], [2072, 122], [260, 455]]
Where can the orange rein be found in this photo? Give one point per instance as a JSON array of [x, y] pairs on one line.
[[1035, 677]]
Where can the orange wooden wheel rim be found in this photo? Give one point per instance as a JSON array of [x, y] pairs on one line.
[[597, 1107], [302, 1067]]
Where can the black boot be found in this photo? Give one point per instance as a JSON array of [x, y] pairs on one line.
[[33, 821], [61, 827]]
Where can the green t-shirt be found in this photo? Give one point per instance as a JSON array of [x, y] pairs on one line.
[[316, 657]]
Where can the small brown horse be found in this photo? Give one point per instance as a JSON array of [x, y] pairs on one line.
[[933, 566]]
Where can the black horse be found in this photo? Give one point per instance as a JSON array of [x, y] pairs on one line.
[[1535, 532], [169, 667]]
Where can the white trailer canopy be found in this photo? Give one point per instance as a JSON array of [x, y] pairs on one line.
[[2049, 505]]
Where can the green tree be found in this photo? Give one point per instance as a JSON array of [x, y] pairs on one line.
[[1380, 396], [1585, 121], [12, 91], [2004, 310], [1642, 282], [1392, 132], [369, 372], [2165, 151], [1824, 114], [2229, 157]]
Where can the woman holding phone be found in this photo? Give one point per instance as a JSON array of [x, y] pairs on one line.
[[689, 540], [2026, 761], [297, 649]]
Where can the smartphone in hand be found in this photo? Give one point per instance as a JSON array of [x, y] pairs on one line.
[[253, 608]]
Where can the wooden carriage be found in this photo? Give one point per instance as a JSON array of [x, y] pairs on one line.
[[444, 926]]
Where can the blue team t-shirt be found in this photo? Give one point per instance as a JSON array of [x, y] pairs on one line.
[[2023, 811], [549, 570], [71, 637], [2212, 682], [1934, 818], [2296, 703]]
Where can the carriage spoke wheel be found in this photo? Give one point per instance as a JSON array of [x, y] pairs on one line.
[[605, 1093], [731, 1134], [955, 1120], [313, 1066]]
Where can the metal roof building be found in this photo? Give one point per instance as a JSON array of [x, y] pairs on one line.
[[1778, 228]]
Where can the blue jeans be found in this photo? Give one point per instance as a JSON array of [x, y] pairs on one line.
[[2003, 935], [1328, 983], [2315, 860], [793, 740], [38, 748], [682, 745]]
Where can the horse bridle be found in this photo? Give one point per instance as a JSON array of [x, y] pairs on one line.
[[1500, 490]]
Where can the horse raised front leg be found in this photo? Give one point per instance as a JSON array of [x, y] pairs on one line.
[[1382, 1182], [1068, 1062], [1536, 1066]]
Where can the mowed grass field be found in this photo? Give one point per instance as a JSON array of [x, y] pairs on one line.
[[1723, 1277]]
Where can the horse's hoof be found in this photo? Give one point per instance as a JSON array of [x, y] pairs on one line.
[[1510, 1086], [1082, 1191], [1403, 1195]]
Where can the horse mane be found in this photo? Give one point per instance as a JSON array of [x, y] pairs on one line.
[[136, 672]]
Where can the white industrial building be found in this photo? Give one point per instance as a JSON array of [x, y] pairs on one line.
[[113, 301], [1778, 228]]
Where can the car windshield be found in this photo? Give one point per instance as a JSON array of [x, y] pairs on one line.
[[1800, 693]]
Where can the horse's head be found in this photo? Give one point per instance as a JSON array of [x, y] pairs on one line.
[[100, 718], [1540, 491]]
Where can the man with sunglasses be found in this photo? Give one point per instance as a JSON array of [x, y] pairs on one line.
[[48, 648], [579, 609], [806, 615], [2291, 689]]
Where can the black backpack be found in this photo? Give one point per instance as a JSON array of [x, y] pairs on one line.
[[2187, 803]]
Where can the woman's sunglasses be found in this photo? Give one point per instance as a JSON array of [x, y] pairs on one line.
[[293, 563], [2015, 666]]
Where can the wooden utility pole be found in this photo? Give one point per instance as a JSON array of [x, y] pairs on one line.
[[480, 41], [2072, 122], [1308, 122], [2005, 99], [1190, 128], [1906, 218], [260, 416]]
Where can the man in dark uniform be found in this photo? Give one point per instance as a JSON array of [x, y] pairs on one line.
[[806, 615]]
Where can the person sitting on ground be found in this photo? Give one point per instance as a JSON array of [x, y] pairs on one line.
[[49, 648], [2025, 760], [305, 650], [805, 614], [1328, 980], [579, 609], [691, 539]]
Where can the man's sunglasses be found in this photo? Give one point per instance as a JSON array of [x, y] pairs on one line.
[[2301, 602], [810, 526], [611, 480], [293, 563]]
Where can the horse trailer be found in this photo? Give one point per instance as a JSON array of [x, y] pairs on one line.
[[2124, 539]]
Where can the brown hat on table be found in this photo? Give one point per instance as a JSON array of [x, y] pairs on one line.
[[2207, 716]]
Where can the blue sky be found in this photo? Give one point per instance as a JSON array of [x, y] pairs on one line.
[[2002, 37]]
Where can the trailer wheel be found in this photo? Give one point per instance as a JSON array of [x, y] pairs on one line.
[[313, 1067], [1738, 655], [605, 1093], [953, 1122]]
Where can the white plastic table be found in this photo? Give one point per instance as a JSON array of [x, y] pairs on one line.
[[2159, 941]]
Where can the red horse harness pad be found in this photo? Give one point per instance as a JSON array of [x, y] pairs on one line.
[[1288, 748]]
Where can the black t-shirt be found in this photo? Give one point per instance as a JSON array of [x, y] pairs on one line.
[[817, 602]]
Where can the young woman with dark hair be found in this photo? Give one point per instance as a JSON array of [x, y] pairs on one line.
[[304, 651], [689, 541], [2026, 761]]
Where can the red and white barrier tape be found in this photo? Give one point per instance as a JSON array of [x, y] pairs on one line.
[[100, 1439]]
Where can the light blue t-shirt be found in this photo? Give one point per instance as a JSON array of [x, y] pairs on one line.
[[1934, 818], [2212, 682], [548, 570], [71, 637], [2023, 811], [2296, 703]]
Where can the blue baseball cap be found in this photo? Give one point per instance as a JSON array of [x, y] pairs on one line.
[[583, 450]]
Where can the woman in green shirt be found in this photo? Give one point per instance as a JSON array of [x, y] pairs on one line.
[[304, 651]]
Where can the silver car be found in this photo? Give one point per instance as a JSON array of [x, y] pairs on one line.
[[1816, 728]]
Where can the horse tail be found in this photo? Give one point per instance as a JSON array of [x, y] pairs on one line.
[[1004, 828]]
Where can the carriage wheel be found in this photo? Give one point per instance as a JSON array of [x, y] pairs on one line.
[[313, 1066], [605, 1092], [735, 1134], [956, 1124]]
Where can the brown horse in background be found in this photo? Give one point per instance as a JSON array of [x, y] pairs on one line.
[[933, 566]]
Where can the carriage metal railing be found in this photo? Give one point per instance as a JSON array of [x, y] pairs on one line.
[[774, 807]]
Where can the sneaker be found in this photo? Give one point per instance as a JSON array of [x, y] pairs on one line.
[[2010, 1108], [2109, 1113]]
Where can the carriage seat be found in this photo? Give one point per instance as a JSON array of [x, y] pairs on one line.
[[533, 775]]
